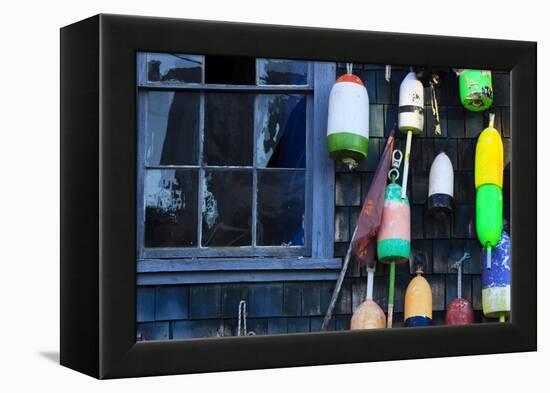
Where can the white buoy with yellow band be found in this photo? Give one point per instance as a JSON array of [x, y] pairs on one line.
[[348, 120], [418, 299], [411, 117], [489, 165]]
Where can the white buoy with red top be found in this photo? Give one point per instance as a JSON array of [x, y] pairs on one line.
[[348, 120], [411, 117]]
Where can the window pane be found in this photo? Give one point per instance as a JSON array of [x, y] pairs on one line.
[[228, 129], [163, 67], [280, 208], [230, 70], [282, 72], [171, 208], [281, 123], [227, 208], [172, 128]]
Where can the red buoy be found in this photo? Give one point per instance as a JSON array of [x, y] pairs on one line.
[[460, 311]]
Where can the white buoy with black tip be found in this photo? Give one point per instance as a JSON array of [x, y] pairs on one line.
[[441, 186], [410, 118]]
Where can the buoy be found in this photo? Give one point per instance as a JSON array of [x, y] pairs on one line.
[[460, 310], [495, 282], [394, 236], [410, 118], [369, 315], [476, 89], [489, 164], [418, 300], [441, 186], [348, 121]]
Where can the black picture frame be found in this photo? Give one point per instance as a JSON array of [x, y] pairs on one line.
[[98, 189]]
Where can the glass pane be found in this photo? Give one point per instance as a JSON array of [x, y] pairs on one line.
[[280, 208], [163, 67], [227, 208], [230, 70], [281, 124], [172, 128], [228, 129], [171, 208], [282, 72]]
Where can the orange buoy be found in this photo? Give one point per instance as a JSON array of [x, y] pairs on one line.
[[368, 315], [418, 300]]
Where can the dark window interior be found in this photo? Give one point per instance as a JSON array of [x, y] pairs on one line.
[[230, 70]]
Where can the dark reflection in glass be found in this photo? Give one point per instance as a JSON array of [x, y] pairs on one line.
[[282, 72], [281, 124], [162, 67], [227, 208], [171, 208], [172, 128], [230, 70], [228, 129], [280, 208]]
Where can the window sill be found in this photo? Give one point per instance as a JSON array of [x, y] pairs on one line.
[[214, 270]]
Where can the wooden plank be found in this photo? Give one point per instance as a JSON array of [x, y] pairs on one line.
[[213, 87], [231, 264], [174, 278], [322, 233], [224, 252]]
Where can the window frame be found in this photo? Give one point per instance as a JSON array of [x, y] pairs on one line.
[[318, 249]]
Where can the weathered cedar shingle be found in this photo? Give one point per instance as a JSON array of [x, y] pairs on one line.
[[277, 325], [474, 123], [390, 119], [232, 294], [205, 301], [464, 187], [419, 187], [455, 121], [430, 122], [311, 299], [501, 89], [383, 88], [464, 221], [152, 331], [376, 121], [265, 299], [341, 224], [422, 246], [145, 304], [172, 302], [292, 299], [348, 189], [466, 154], [437, 227], [437, 283], [298, 325], [197, 328]]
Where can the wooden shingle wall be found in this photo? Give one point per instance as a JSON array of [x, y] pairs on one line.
[[186, 311]]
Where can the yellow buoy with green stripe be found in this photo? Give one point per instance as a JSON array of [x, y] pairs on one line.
[[489, 165], [348, 121]]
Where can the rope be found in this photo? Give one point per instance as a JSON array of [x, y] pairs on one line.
[[435, 107], [241, 324], [349, 68]]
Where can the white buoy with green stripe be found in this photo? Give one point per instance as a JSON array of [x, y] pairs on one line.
[[348, 121]]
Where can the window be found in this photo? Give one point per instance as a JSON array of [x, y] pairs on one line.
[[228, 155]]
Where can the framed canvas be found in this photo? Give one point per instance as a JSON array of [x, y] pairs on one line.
[[223, 186]]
